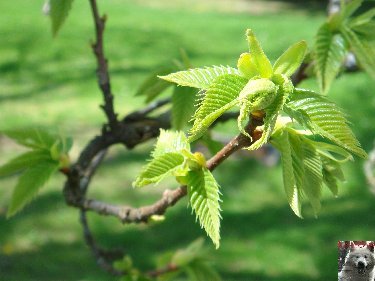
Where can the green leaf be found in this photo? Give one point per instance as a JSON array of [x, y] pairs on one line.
[[204, 193], [29, 184], [201, 271], [347, 9], [200, 78], [260, 59], [364, 18], [331, 173], [246, 66], [313, 177], [36, 138], [363, 50], [220, 97], [169, 141], [291, 171], [185, 256], [158, 168], [152, 86], [24, 161], [326, 119], [59, 10], [365, 31], [183, 101], [291, 59], [330, 51]]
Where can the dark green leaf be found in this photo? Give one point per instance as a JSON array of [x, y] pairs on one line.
[[153, 86], [59, 10]]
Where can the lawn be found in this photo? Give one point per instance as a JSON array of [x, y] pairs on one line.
[[51, 81]]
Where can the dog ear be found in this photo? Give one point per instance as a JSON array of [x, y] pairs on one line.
[[352, 245], [370, 246]]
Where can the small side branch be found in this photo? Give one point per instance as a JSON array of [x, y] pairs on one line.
[[102, 67]]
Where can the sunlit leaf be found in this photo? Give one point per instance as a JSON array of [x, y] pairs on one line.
[[200, 78], [204, 193], [291, 59], [220, 97], [169, 141], [158, 168], [260, 59], [330, 51], [326, 119]]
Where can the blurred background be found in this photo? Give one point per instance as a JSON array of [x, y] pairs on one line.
[[51, 81]]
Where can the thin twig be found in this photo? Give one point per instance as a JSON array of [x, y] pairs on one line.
[[97, 252], [142, 113], [102, 70]]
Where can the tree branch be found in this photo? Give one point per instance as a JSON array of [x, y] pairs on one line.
[[128, 214], [102, 67]]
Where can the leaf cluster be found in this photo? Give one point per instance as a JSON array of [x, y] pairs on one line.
[[46, 154], [344, 31]]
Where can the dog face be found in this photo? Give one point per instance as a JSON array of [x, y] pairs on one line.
[[362, 259]]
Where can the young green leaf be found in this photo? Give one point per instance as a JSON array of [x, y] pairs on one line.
[[59, 10], [24, 161], [326, 119], [330, 51], [363, 18], [204, 194], [183, 100], [183, 257], [291, 171], [246, 66], [260, 59], [291, 59], [362, 48], [220, 97], [199, 270], [36, 138], [200, 78], [348, 9], [169, 141], [158, 168], [152, 87], [29, 184]]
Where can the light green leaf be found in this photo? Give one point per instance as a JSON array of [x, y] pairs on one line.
[[183, 101], [158, 168], [331, 173], [204, 193], [152, 87], [313, 177], [220, 97], [326, 119], [363, 18], [170, 141], [59, 10], [291, 170], [29, 184], [24, 161], [366, 31], [291, 59], [363, 50], [347, 9], [330, 52], [246, 66], [200, 78], [36, 138], [260, 59]]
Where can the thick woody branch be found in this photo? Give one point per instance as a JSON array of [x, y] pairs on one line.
[[102, 67]]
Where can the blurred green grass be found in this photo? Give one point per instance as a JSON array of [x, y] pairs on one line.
[[51, 82]]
